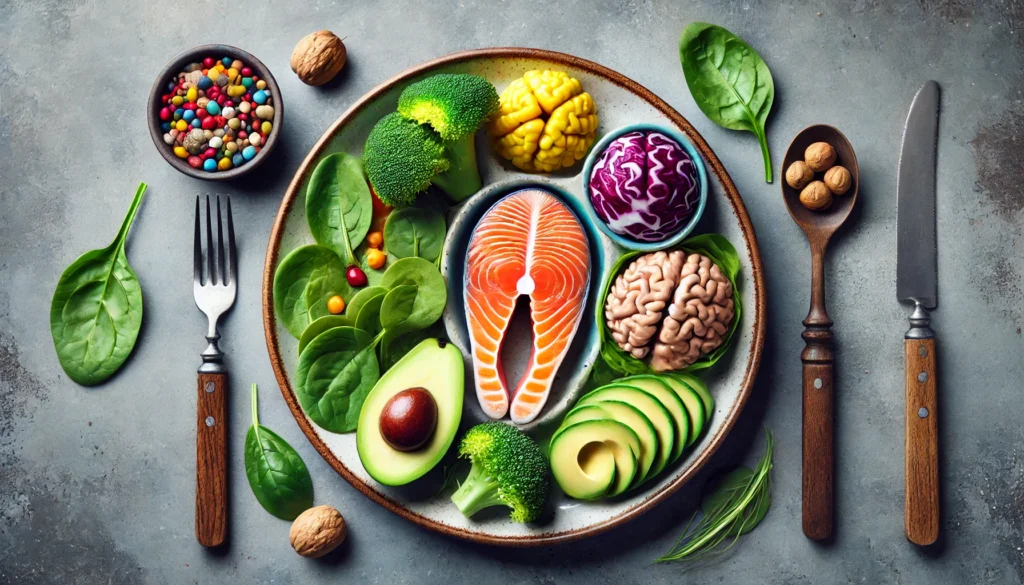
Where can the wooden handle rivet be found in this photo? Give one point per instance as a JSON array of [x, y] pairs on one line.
[[922, 376], [923, 412], [209, 388], [209, 421], [922, 351], [817, 383]]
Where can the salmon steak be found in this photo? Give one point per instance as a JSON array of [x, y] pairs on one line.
[[529, 243]]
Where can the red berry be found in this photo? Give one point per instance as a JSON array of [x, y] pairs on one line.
[[209, 123], [202, 114], [243, 116], [208, 62], [229, 104], [220, 121], [242, 134], [246, 72], [195, 162], [189, 105], [221, 99], [213, 92], [165, 114], [355, 276], [209, 152]]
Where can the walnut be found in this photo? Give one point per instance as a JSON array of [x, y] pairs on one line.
[[317, 531], [799, 174], [637, 299], [816, 196], [318, 57], [820, 156], [698, 317], [838, 180]]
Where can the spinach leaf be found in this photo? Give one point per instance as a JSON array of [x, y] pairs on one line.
[[398, 307], [729, 81], [96, 310], [310, 274], [369, 318], [339, 207], [722, 253], [415, 232], [396, 343], [335, 373], [431, 292], [277, 475], [357, 301], [323, 324]]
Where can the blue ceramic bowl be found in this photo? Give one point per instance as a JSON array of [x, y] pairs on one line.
[[702, 175]]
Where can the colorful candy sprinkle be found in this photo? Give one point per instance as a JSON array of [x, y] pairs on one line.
[[216, 114]]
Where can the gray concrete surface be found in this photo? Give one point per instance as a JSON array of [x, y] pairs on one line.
[[96, 485]]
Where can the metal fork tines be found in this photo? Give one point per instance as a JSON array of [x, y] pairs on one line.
[[215, 293]]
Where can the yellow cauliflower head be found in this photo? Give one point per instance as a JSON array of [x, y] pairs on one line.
[[545, 122]]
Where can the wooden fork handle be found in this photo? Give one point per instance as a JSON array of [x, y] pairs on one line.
[[922, 443], [211, 460]]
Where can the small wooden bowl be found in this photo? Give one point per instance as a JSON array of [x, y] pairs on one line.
[[836, 214], [171, 70]]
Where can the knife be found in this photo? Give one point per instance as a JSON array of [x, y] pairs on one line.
[[917, 284]]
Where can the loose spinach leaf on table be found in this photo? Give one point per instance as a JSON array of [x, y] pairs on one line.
[[729, 81], [96, 310], [310, 274], [431, 292], [339, 207], [277, 475], [335, 373], [415, 232], [323, 324]]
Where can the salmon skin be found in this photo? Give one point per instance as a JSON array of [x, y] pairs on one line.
[[529, 243]]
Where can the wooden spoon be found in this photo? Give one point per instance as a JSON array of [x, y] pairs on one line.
[[817, 356]]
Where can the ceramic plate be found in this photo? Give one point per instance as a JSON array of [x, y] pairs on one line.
[[620, 102]]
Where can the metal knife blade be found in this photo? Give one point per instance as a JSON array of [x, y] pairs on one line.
[[916, 247]]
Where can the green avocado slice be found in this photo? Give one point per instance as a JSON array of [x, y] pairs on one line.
[[580, 455], [651, 407], [661, 390]]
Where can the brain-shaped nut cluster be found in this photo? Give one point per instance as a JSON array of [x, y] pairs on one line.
[[673, 306]]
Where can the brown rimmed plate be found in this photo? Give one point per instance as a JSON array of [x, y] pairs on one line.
[[620, 101]]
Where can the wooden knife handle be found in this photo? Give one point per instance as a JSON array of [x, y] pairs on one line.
[[922, 443], [211, 460]]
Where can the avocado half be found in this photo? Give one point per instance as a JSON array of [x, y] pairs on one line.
[[436, 366]]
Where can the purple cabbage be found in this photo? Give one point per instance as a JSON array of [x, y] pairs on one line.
[[645, 186]]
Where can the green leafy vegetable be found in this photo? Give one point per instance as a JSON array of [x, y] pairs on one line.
[[357, 301], [96, 310], [303, 282], [396, 343], [431, 292], [277, 475], [335, 373], [415, 232], [729, 81], [722, 253], [738, 503], [398, 307], [339, 207], [323, 324], [369, 318]]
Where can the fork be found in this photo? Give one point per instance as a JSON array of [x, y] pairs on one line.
[[214, 297]]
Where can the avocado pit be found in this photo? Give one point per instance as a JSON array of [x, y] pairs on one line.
[[408, 419]]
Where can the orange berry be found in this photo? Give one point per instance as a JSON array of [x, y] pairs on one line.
[[375, 239], [375, 258], [336, 305]]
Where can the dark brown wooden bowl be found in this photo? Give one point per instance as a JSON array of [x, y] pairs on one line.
[[177, 64], [825, 220]]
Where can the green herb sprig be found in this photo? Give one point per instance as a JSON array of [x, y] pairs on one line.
[[738, 503]]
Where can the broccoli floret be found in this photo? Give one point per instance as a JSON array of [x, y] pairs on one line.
[[509, 469], [455, 106], [402, 158]]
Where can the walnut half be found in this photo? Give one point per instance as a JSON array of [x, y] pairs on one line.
[[318, 57]]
